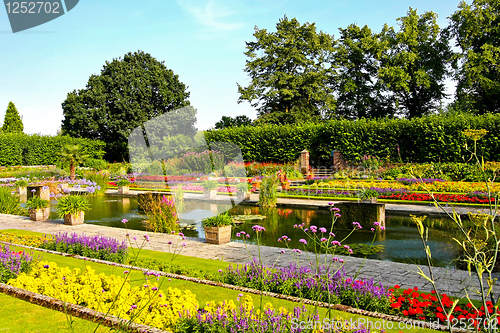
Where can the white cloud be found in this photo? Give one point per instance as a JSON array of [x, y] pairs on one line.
[[210, 14]]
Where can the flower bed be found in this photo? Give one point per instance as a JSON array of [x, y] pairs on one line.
[[98, 247], [28, 240], [414, 304], [13, 263], [145, 304], [322, 284], [457, 198]]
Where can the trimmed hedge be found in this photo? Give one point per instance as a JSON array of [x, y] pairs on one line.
[[428, 139], [23, 149]]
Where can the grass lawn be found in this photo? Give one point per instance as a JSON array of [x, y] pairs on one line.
[[12, 311]]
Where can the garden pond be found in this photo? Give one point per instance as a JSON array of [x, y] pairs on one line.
[[400, 242]]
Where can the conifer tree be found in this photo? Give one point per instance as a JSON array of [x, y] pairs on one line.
[[12, 122]]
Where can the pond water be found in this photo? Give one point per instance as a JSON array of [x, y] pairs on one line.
[[401, 240]]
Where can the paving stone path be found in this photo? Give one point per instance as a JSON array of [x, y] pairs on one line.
[[449, 281]]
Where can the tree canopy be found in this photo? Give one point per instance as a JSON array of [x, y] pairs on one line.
[[289, 68], [237, 121], [12, 122], [477, 34], [128, 92], [415, 65]]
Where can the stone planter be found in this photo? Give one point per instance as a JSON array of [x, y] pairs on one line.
[[123, 189], [218, 235], [22, 190], [209, 194], [74, 219], [40, 214], [240, 196], [39, 191]]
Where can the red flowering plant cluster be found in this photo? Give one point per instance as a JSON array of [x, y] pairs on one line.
[[423, 306], [457, 198]]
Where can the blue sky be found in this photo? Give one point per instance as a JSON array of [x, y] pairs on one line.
[[202, 41]]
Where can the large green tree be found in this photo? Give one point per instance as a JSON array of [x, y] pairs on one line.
[[12, 122], [360, 92], [237, 121], [128, 92], [289, 68], [476, 29], [416, 64]]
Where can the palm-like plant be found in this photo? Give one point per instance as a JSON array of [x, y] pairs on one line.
[[74, 155]]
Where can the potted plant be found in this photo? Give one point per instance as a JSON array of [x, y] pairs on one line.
[[218, 229], [210, 189], [72, 209], [242, 191], [123, 186], [22, 185], [368, 195], [38, 208]]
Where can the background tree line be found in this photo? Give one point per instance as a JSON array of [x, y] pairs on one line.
[[299, 74]]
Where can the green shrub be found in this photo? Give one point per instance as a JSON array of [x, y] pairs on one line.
[[23, 149], [209, 185], [9, 203], [268, 195], [95, 163], [434, 138], [217, 221], [72, 204], [35, 202]]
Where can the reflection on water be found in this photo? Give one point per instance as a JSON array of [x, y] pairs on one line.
[[401, 239]]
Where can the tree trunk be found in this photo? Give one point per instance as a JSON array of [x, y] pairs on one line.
[[72, 171]]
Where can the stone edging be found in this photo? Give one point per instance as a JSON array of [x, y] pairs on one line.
[[77, 310], [339, 307]]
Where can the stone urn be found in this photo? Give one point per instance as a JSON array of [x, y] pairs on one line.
[[218, 235], [209, 194], [22, 190], [123, 189], [74, 219], [40, 214]]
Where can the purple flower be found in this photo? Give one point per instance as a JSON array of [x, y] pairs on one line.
[[336, 243], [45, 266], [125, 272], [323, 239], [124, 221], [146, 237], [303, 241], [323, 230], [357, 225], [376, 224], [258, 228]]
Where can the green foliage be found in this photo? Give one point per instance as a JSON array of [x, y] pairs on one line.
[[217, 221], [100, 178], [23, 149], [415, 65], [268, 195], [95, 163], [127, 93], [475, 28], [160, 212], [123, 182], [237, 121], [242, 187], [428, 139], [72, 204], [21, 183], [210, 185], [74, 155], [9, 203], [12, 122], [35, 202], [360, 91], [289, 69]]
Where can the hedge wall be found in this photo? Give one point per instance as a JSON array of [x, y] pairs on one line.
[[429, 139], [23, 149]]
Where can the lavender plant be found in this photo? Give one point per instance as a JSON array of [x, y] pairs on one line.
[[99, 247]]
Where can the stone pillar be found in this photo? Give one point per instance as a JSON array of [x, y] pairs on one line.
[[304, 162]]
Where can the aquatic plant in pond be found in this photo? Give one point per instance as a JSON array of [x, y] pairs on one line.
[[161, 214], [13, 263], [99, 247]]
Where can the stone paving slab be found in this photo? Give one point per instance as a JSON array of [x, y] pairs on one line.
[[449, 281]]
